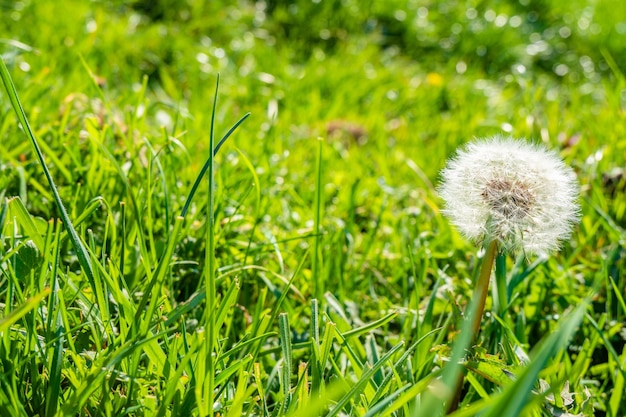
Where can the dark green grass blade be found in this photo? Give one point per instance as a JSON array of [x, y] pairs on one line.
[[208, 163], [57, 331], [81, 252], [285, 344]]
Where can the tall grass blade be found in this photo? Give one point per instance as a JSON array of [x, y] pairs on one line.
[[285, 345], [81, 251], [208, 346], [56, 331], [318, 280]]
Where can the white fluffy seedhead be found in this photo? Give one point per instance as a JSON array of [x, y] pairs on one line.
[[518, 193]]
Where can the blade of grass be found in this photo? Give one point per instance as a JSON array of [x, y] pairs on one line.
[[317, 366], [500, 288], [228, 301], [81, 252], [22, 310], [56, 332], [285, 344], [302, 393], [174, 386], [258, 378], [206, 390], [318, 281], [317, 406], [23, 217], [370, 326]]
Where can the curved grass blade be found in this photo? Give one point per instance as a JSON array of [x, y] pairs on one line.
[[81, 251], [208, 163]]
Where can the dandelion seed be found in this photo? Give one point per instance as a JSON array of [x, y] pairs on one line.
[[520, 194]]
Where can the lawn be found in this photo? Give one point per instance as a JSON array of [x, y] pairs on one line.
[[308, 268]]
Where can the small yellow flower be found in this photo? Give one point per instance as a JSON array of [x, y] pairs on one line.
[[432, 78]]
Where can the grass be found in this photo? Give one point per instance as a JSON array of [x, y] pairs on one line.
[[311, 271]]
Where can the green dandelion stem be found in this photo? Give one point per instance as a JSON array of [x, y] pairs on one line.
[[482, 285], [475, 310]]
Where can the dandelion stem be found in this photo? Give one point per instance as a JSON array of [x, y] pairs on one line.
[[475, 313], [482, 285]]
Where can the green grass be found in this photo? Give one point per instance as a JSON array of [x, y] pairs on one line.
[[311, 271]]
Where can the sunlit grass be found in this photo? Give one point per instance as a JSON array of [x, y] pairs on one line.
[[316, 275]]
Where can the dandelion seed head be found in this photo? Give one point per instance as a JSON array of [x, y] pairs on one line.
[[520, 194]]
